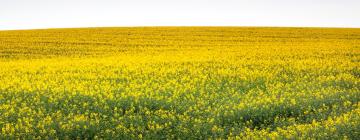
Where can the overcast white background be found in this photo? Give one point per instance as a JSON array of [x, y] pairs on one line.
[[30, 14]]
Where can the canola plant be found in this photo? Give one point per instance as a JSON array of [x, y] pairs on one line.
[[180, 83]]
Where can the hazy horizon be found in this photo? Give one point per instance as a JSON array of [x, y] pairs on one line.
[[42, 14]]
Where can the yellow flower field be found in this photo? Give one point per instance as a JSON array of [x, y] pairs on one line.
[[180, 83]]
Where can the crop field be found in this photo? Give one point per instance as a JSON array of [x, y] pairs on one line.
[[180, 83]]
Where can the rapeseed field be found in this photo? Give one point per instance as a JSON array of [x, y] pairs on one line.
[[180, 83]]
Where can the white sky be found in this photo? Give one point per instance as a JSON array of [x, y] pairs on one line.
[[27, 14]]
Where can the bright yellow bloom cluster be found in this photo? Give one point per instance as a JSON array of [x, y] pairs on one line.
[[180, 83]]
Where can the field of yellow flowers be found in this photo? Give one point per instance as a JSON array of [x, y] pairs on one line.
[[180, 83]]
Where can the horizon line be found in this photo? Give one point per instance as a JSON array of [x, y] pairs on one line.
[[160, 26]]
